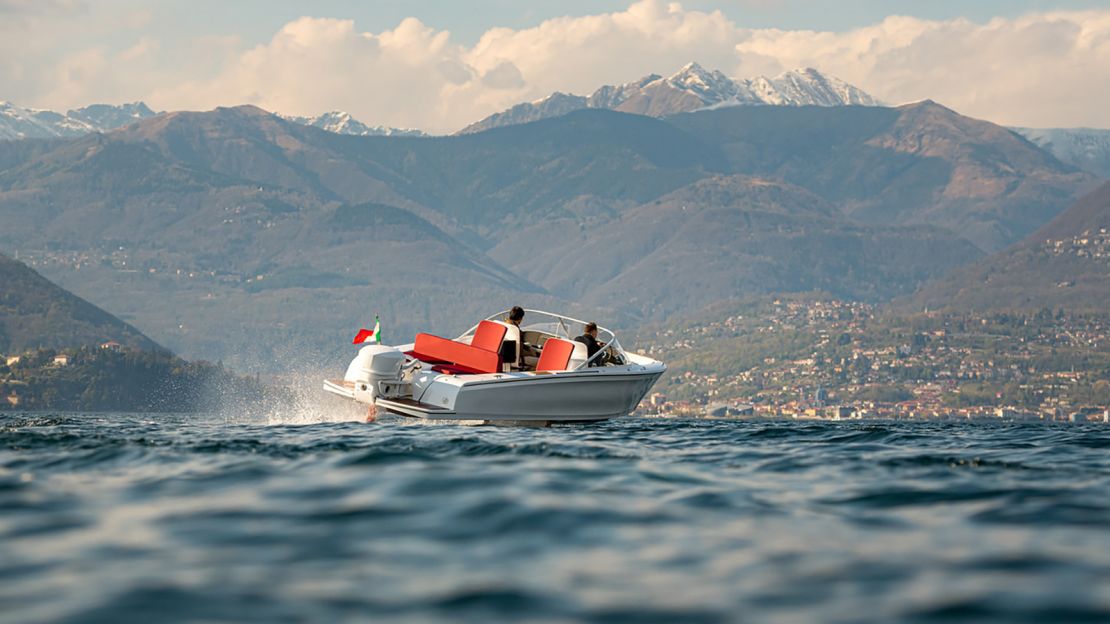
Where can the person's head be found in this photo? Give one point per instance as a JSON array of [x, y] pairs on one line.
[[516, 315], [591, 329]]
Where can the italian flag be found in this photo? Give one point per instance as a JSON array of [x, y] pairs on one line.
[[367, 335]]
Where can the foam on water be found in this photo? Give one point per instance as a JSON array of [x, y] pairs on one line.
[[108, 517]]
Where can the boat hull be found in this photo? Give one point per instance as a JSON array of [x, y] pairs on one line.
[[572, 396]]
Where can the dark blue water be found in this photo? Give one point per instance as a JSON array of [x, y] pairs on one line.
[[116, 518]]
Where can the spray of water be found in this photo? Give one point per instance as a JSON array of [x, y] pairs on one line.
[[307, 403], [290, 395], [295, 396]]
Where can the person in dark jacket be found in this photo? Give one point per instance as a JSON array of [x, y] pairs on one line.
[[589, 338], [515, 317]]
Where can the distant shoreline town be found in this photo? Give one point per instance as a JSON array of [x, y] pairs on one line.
[[828, 359], [659, 407]]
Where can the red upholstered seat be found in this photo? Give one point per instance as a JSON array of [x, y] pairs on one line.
[[556, 355], [463, 357], [488, 336]]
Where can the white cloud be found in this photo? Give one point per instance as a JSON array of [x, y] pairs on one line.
[[1042, 69], [415, 76], [313, 65], [1047, 69]]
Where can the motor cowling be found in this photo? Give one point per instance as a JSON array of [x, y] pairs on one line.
[[374, 364]]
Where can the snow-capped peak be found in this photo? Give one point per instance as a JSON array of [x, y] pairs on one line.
[[17, 122], [341, 122], [28, 123], [655, 95], [108, 116], [554, 97], [797, 87], [808, 86], [691, 72], [709, 86]]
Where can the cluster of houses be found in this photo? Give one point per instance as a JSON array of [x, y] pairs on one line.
[[854, 356], [11, 395], [1089, 244]]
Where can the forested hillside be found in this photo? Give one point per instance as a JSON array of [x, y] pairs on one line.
[[236, 234]]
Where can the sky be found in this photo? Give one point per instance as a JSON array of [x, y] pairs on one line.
[[441, 64]]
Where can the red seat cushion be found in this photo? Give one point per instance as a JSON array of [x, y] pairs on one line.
[[489, 335], [556, 355], [464, 357]]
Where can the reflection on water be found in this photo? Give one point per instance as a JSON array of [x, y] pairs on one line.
[[126, 517]]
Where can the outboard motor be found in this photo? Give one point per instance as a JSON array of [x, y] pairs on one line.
[[374, 364]]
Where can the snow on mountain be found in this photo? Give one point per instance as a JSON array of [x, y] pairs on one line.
[[798, 87], [17, 122], [554, 105], [710, 87], [340, 122], [108, 117], [691, 88], [611, 96], [1086, 148], [23, 123], [809, 87]]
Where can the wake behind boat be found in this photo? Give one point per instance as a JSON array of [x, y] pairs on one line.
[[498, 372]]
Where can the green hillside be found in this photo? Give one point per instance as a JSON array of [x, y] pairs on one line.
[[34, 313]]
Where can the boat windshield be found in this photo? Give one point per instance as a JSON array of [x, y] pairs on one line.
[[560, 326]]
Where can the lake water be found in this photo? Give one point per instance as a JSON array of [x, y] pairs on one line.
[[116, 518]]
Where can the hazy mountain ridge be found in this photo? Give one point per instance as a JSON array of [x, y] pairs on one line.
[[217, 230], [915, 164], [691, 88], [1066, 263], [731, 234]]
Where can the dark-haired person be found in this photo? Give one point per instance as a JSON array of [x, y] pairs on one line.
[[589, 338], [515, 317]]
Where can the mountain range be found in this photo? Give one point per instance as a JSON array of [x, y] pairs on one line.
[[691, 88], [239, 235], [28, 123]]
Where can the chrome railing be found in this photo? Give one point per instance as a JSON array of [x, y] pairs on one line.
[[561, 330]]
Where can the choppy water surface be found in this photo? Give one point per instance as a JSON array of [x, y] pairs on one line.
[[153, 518]]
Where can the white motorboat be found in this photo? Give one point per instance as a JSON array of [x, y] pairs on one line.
[[498, 372]]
